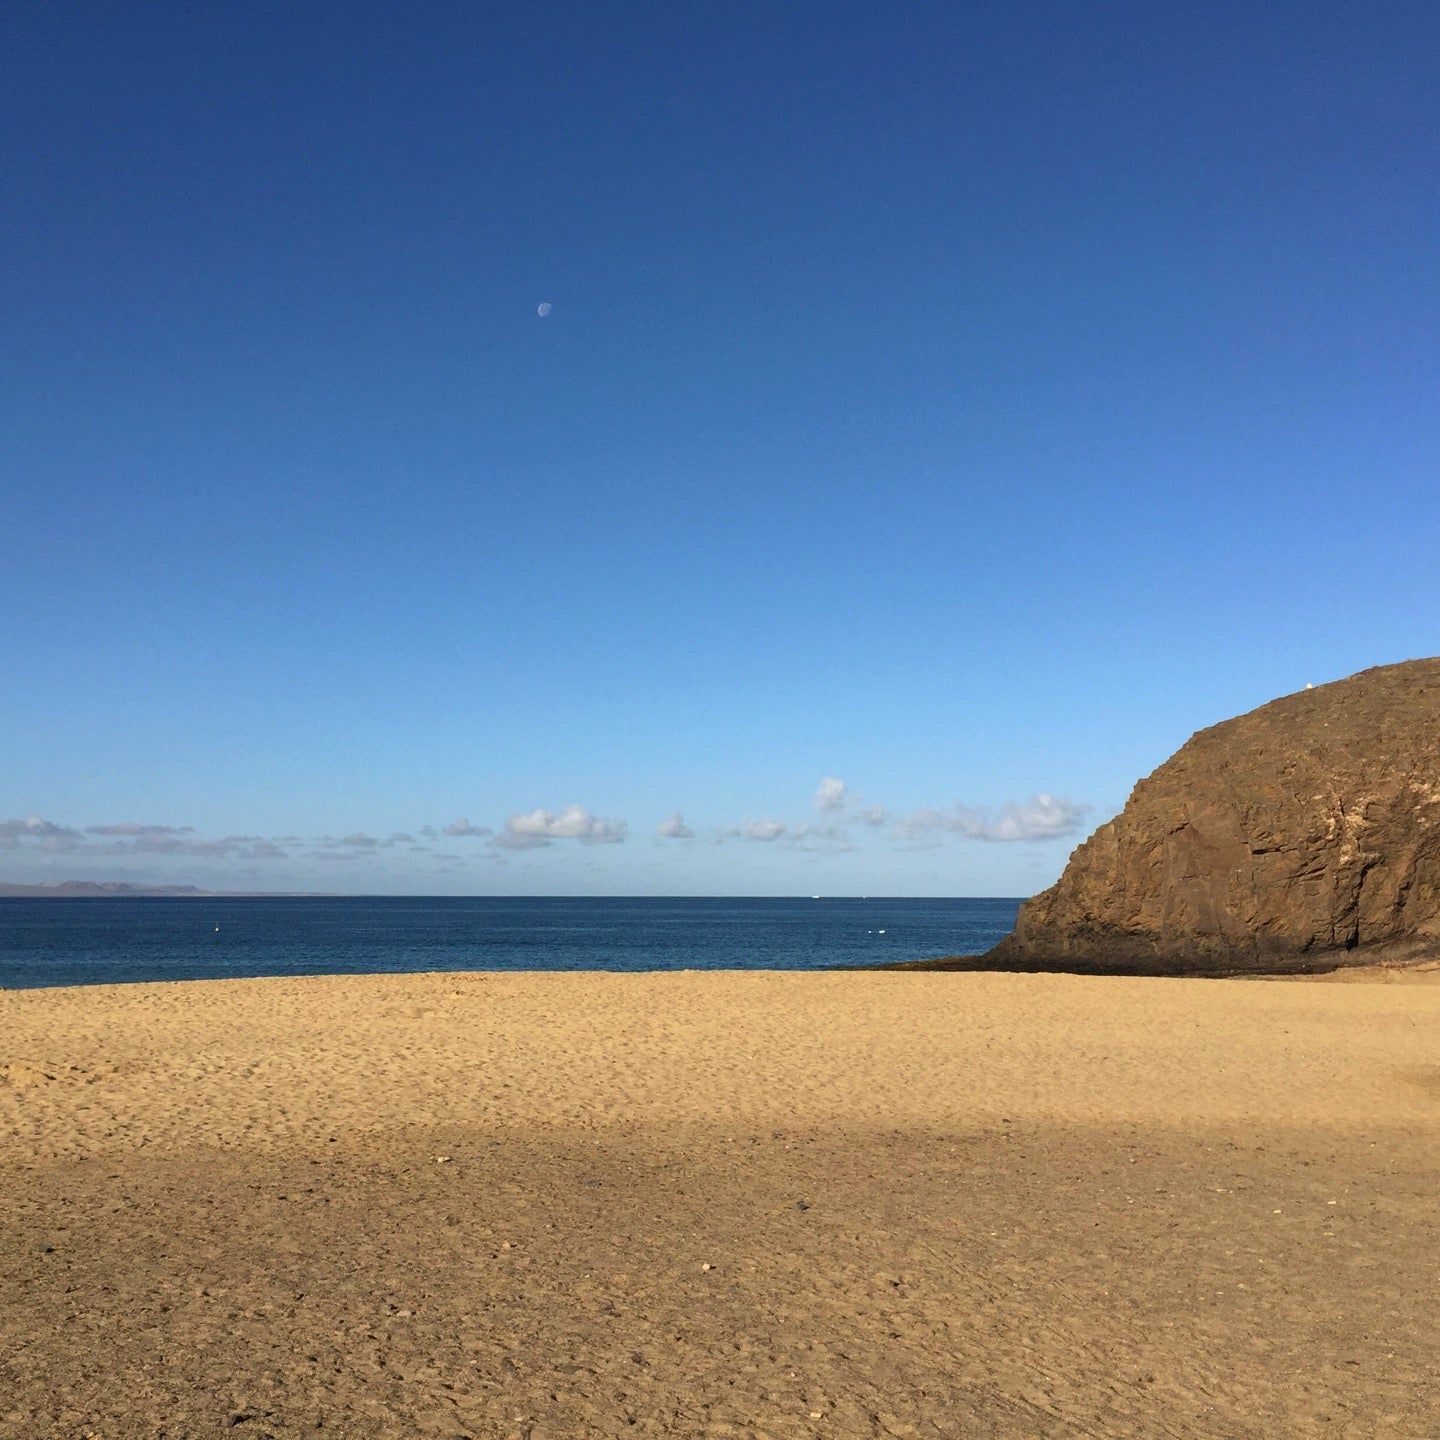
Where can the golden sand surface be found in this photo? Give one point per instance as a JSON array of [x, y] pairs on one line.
[[720, 1205]]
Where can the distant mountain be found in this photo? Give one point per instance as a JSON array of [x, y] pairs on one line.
[[123, 890], [80, 889]]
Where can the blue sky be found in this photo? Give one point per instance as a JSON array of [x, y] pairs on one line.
[[963, 403]]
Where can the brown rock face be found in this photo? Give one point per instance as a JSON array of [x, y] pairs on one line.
[[1305, 834]]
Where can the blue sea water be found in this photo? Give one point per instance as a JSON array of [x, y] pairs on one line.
[[101, 941]]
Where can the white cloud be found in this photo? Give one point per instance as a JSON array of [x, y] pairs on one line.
[[130, 828], [919, 823], [1041, 817], [461, 827], [674, 828], [33, 827], [238, 847], [132, 838], [806, 836], [541, 827], [38, 833], [834, 797]]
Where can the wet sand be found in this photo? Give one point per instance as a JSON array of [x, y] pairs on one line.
[[720, 1205]]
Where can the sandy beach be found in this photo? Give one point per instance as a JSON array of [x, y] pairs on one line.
[[720, 1205]]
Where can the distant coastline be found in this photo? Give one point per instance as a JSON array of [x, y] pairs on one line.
[[124, 890]]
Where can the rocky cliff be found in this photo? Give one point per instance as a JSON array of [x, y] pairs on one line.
[[1305, 834]]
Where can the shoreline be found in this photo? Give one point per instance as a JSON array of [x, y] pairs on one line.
[[1360, 972]]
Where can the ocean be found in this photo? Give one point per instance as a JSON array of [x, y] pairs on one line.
[[103, 941]]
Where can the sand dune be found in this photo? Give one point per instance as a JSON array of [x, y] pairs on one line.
[[719, 1205]]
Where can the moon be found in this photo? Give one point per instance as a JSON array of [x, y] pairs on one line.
[[543, 309]]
